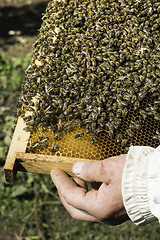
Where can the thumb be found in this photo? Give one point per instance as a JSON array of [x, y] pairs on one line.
[[92, 171]]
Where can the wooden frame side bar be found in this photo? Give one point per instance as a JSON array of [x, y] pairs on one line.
[[18, 144]]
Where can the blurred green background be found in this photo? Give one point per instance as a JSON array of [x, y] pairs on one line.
[[30, 208]]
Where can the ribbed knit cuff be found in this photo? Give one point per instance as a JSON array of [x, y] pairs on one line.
[[135, 185]]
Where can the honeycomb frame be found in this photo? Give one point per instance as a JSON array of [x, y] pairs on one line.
[[42, 160]]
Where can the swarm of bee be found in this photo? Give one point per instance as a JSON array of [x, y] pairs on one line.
[[96, 64]]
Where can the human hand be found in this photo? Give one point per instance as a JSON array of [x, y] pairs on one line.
[[103, 203]]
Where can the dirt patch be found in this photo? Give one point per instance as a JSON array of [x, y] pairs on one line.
[[5, 235]]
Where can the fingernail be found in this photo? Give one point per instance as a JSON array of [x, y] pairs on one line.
[[77, 167]]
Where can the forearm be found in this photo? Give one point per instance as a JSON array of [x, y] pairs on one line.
[[140, 184]]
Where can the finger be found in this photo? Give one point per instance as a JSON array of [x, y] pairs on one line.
[[76, 213], [68, 187], [60, 178], [84, 216], [93, 202], [92, 171], [77, 200], [81, 183], [99, 171], [75, 196]]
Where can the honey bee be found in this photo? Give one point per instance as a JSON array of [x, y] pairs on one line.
[[43, 144], [28, 118], [30, 109], [41, 128], [133, 99], [79, 122], [111, 129], [136, 105], [92, 140], [157, 117], [155, 94], [103, 116], [54, 148], [88, 129], [126, 97], [124, 142], [118, 113], [60, 125], [111, 116], [68, 127], [119, 138], [35, 144], [124, 112], [137, 125], [27, 129], [43, 139], [143, 113], [84, 115], [57, 136], [93, 126], [156, 137], [130, 132], [117, 123], [79, 135]]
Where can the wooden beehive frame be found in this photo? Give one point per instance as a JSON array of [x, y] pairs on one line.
[[18, 160]]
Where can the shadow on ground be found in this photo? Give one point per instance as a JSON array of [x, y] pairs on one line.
[[19, 26], [25, 19]]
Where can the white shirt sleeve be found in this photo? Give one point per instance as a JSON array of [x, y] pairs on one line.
[[141, 184]]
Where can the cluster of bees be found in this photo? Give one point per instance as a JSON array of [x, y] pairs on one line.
[[93, 63]]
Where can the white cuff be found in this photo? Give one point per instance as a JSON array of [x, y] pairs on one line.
[[140, 181]]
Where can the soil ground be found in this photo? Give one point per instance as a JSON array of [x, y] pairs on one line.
[[19, 24]]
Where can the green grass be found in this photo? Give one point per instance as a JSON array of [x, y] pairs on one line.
[[12, 72], [30, 207], [11, 77]]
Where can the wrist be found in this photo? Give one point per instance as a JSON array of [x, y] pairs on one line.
[[135, 185]]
